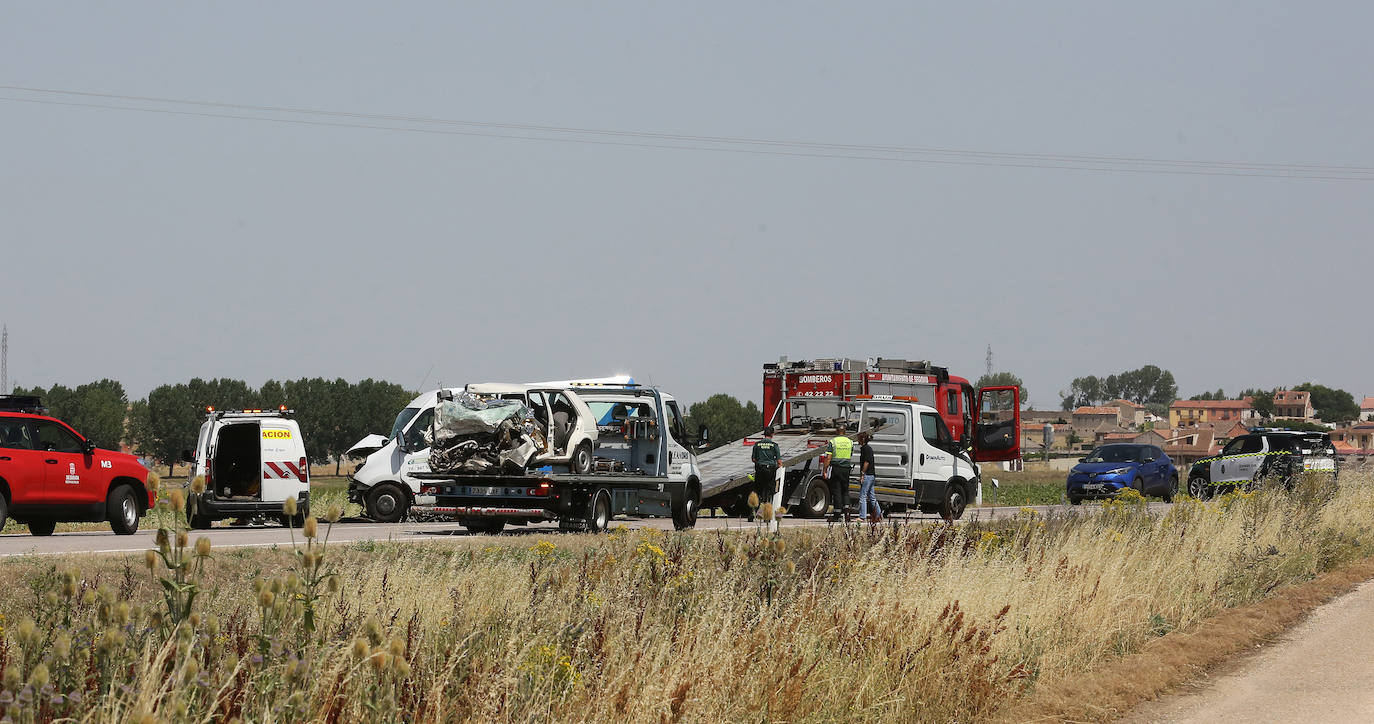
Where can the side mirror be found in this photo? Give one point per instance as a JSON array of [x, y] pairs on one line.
[[703, 436], [89, 446], [401, 442], [1082, 460], [187, 457]]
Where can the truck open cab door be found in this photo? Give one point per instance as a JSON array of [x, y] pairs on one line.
[[998, 430]]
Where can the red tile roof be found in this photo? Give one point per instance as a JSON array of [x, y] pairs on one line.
[[1367, 403], [1097, 411], [1128, 403], [1292, 397]]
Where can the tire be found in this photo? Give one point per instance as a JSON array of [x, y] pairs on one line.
[[484, 526], [582, 462], [42, 527], [598, 515], [194, 519], [1075, 501], [122, 510], [685, 510], [386, 503], [4, 510], [1172, 490], [296, 521], [954, 502], [1198, 488], [816, 499]]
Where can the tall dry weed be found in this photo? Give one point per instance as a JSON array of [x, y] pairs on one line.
[[895, 623]]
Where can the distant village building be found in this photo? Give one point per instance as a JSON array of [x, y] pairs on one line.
[[1131, 413], [1190, 446], [1090, 418], [1367, 409], [1294, 405], [1187, 413]]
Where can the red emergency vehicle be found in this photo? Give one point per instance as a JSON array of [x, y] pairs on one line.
[[50, 473]]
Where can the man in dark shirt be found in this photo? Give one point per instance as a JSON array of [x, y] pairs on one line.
[[866, 480], [766, 456]]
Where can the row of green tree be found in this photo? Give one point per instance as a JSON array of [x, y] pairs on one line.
[[333, 414], [1149, 386], [1332, 404]]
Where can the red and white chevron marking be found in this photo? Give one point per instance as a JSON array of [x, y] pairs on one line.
[[282, 471]]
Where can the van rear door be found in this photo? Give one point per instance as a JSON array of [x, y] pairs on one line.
[[998, 431], [284, 466]]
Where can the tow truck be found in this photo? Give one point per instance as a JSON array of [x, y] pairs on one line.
[[804, 402], [644, 465]]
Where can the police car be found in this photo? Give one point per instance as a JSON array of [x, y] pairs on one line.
[[1263, 454], [50, 473]]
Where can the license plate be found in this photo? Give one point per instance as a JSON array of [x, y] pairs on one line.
[[1326, 465], [487, 491], [1094, 487]]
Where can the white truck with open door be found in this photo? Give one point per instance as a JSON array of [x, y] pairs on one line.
[[919, 464], [993, 434]]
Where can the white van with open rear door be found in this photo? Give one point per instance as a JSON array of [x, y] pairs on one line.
[[252, 461]]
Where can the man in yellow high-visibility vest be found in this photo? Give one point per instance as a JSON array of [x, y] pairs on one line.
[[841, 451]]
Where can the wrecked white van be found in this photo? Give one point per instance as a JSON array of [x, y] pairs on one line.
[[385, 484]]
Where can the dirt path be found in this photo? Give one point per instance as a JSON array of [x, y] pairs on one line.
[[1320, 671]]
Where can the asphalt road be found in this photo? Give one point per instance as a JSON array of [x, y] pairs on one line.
[[20, 544], [1319, 671]]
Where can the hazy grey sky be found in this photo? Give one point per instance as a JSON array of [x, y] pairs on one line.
[[152, 247]]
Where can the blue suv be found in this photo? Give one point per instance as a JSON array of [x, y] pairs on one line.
[[1110, 469]]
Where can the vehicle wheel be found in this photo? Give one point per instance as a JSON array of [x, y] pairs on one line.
[[817, 498], [1138, 486], [1075, 501], [4, 510], [194, 519], [122, 510], [42, 527], [952, 507], [599, 511], [582, 462], [386, 503], [685, 512], [484, 526], [1198, 488], [296, 521], [1172, 491]]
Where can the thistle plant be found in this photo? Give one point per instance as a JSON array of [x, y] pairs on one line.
[[184, 563]]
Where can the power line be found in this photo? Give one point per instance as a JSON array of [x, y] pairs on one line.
[[722, 144]]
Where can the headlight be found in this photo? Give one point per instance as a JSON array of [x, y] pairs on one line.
[[1117, 471]]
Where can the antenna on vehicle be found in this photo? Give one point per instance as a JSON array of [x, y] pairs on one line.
[[426, 379], [5, 361]]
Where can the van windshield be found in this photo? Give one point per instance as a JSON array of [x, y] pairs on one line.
[[402, 420]]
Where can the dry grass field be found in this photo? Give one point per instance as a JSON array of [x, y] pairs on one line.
[[899, 623]]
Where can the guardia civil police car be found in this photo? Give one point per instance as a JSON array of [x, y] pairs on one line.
[[1264, 454]]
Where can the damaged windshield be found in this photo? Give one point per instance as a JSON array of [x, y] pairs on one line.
[[402, 420]]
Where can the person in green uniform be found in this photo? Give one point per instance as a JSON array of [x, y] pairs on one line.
[[766, 456], [841, 450]]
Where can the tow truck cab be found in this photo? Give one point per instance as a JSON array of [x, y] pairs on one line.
[[918, 460]]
